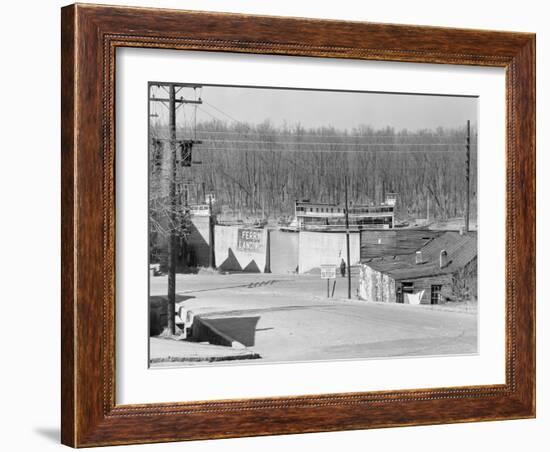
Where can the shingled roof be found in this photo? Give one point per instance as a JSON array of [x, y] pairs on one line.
[[394, 242], [461, 249]]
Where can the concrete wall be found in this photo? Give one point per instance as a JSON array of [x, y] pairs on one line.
[[198, 242], [229, 257], [317, 248], [376, 286], [283, 251]]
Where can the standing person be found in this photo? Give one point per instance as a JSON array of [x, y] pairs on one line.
[[343, 268]]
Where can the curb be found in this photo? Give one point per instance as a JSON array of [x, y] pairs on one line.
[[200, 359], [427, 307], [201, 329]]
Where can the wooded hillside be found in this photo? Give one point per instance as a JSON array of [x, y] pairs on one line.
[[263, 169]]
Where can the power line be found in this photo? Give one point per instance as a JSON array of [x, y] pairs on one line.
[[316, 135], [329, 143], [210, 114], [223, 113], [319, 135], [329, 151]]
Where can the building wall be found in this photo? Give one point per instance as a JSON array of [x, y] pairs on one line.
[[425, 285], [376, 286], [317, 248], [229, 257], [465, 281], [380, 287]]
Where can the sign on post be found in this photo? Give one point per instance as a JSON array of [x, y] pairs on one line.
[[328, 272]]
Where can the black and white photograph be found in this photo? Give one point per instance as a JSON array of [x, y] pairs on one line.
[[296, 225], [241, 226]]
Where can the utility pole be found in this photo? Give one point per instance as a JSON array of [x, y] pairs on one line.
[[174, 202], [467, 219], [428, 208], [172, 239], [347, 234], [212, 260]]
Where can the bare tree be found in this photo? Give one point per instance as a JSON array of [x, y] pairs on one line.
[[262, 168], [165, 215]]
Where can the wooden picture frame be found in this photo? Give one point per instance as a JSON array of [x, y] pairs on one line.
[[90, 36]]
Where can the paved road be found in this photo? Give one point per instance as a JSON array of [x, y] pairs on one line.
[[288, 317]]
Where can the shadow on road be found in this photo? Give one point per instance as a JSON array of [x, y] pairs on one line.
[[248, 285]]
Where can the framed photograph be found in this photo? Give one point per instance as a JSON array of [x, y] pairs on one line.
[[282, 225]]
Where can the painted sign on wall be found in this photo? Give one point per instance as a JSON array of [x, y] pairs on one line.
[[250, 240]]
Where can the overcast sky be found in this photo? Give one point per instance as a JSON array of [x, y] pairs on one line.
[[342, 110]]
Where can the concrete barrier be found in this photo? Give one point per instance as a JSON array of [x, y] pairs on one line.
[[202, 330]]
